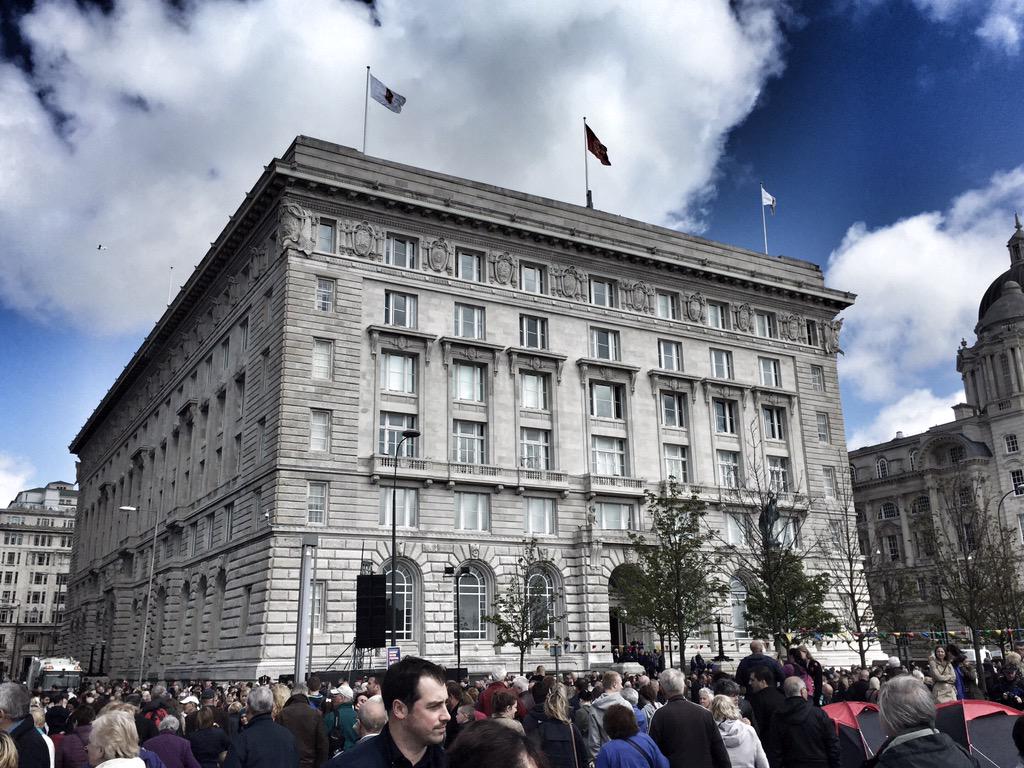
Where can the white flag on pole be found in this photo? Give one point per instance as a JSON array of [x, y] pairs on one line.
[[767, 199], [384, 95]]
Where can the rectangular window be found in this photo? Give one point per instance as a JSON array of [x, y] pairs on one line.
[[769, 368], [319, 430], [817, 378], [325, 236], [210, 529], [531, 278], [1011, 443], [535, 448], [614, 516], [604, 344], [323, 359], [243, 333], [824, 428], [774, 423], [667, 305], [319, 601], [609, 456], [391, 427], [470, 447], [225, 353], [399, 309], [778, 474], [534, 391], [728, 469], [1017, 482], [540, 515], [718, 315], [677, 462], [811, 332], [670, 355], [602, 293], [606, 401], [892, 548], [469, 321], [468, 381], [401, 252], [721, 364], [673, 409], [406, 502], [471, 512], [468, 266], [533, 332], [316, 502], [737, 528], [725, 416], [764, 325], [324, 294], [828, 475], [398, 373]]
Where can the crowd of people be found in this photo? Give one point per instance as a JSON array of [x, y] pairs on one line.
[[767, 714]]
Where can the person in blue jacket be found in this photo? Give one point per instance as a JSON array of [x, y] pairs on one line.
[[627, 747]]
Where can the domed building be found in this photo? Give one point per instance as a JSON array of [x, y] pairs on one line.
[[969, 471]]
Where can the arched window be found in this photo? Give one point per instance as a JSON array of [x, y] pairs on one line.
[[472, 604], [217, 609], [882, 468], [921, 506], [199, 608], [913, 461], [853, 474], [738, 602], [540, 594], [186, 597], [401, 615], [887, 511]]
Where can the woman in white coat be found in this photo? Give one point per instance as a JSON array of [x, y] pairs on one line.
[[114, 742], [741, 741]]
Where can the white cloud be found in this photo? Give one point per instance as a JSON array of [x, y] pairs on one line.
[[173, 121], [15, 474], [913, 413], [919, 282], [1001, 27]]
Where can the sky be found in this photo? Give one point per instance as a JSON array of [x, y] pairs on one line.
[[888, 131]]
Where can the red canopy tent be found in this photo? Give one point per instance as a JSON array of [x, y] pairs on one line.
[[983, 727], [858, 730]]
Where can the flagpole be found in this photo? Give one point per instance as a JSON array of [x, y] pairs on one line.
[[586, 165], [366, 106], [764, 226]]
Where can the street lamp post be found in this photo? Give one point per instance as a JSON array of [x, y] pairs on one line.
[[1016, 490], [14, 645], [149, 589], [408, 434]]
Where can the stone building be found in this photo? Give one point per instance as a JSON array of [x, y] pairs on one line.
[[900, 484], [557, 360], [37, 530]]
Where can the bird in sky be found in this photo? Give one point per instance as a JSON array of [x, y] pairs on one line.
[[102, 247]]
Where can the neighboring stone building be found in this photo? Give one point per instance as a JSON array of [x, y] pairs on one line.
[[898, 485], [558, 361], [37, 530]]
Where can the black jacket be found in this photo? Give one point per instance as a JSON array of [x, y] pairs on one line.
[[32, 750], [381, 752], [765, 703], [561, 742], [802, 736], [263, 744], [687, 735], [930, 749]]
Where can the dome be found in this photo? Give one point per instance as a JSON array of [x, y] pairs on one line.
[[1014, 274], [1010, 303]]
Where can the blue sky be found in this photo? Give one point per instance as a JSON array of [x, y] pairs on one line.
[[888, 131]]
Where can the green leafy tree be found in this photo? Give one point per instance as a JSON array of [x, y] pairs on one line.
[[525, 611], [678, 583]]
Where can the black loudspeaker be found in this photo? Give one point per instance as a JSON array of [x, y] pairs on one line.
[[371, 611]]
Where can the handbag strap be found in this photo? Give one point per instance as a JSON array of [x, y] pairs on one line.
[[637, 748], [572, 740]]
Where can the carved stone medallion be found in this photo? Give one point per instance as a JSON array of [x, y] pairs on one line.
[[296, 228], [438, 255], [503, 268], [744, 318], [362, 239], [696, 306]]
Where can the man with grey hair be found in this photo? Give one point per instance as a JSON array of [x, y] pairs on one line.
[[801, 735], [306, 726], [19, 725], [372, 718], [175, 751], [263, 743], [686, 732], [907, 714]]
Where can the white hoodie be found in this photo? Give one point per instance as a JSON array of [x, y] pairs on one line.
[[745, 750]]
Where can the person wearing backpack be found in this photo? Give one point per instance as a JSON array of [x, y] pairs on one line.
[[340, 722], [627, 747]]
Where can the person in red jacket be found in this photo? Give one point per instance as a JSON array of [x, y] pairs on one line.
[[498, 675]]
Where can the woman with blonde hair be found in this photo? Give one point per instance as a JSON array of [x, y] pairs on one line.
[[741, 741], [281, 695], [114, 742], [555, 733], [8, 752]]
